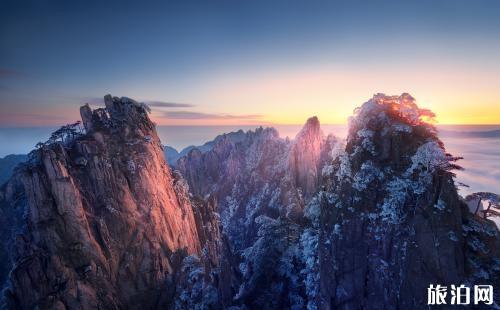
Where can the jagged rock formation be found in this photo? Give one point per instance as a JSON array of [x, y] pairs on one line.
[[260, 184], [386, 220], [391, 221], [249, 220], [307, 156], [172, 155], [247, 179], [206, 281], [103, 217], [258, 174]]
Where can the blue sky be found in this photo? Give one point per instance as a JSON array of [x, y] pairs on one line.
[[229, 62]]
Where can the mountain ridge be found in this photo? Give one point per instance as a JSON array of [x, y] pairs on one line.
[[103, 213], [255, 221]]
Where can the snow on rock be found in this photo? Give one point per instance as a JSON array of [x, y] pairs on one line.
[[393, 205], [258, 174], [429, 157], [262, 181], [249, 220]]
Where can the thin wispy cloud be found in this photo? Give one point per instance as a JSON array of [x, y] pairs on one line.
[[152, 103], [190, 115], [42, 116], [33, 119], [163, 104]]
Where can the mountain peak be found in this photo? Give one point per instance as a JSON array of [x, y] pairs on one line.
[[403, 107], [105, 213], [311, 128], [389, 188], [312, 121], [306, 154], [118, 112], [121, 209]]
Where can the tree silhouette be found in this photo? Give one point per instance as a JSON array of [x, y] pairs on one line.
[[64, 134], [493, 201]]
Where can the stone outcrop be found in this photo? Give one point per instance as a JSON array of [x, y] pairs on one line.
[[323, 224], [258, 174], [391, 220], [309, 152], [97, 219], [104, 216], [256, 178]]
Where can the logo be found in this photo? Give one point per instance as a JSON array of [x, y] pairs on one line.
[[459, 295]]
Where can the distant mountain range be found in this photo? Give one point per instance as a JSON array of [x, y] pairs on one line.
[[9, 162], [172, 155], [7, 165]]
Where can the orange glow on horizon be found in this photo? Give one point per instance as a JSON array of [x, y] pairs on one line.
[[290, 96], [455, 95]]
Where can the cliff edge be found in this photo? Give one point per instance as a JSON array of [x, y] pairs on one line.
[[103, 215]]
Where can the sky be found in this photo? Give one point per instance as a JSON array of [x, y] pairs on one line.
[[248, 62]]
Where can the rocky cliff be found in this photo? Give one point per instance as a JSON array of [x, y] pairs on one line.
[[391, 221], [172, 155], [96, 218], [103, 216], [258, 174], [369, 222], [309, 152]]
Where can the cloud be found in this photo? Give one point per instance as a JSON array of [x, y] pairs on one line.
[[45, 117], [199, 115], [163, 104], [151, 103]]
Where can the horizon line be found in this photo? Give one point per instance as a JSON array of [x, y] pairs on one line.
[[250, 125]]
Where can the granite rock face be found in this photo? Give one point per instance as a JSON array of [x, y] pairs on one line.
[[103, 217], [258, 174], [320, 223], [390, 219], [97, 219], [307, 155]]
